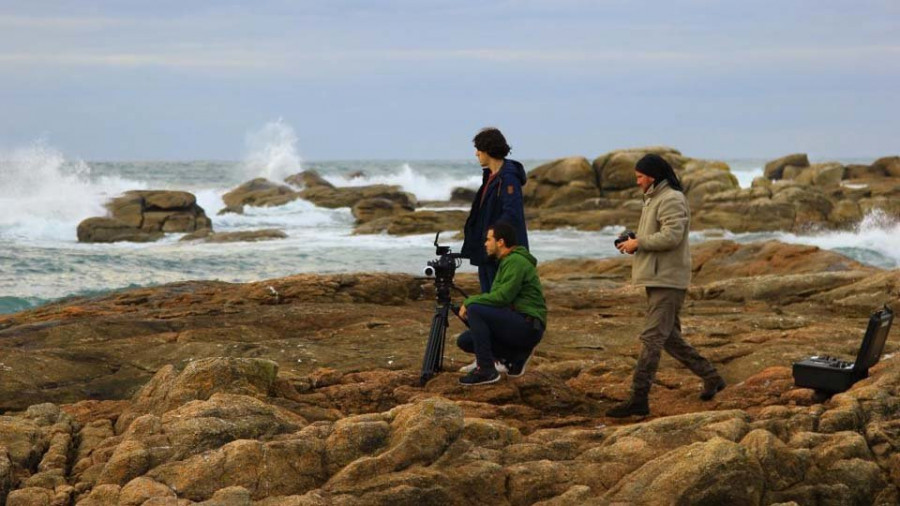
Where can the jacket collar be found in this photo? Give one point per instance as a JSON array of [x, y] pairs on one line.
[[656, 189]]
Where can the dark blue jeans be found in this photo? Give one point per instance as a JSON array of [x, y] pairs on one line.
[[498, 332], [486, 274]]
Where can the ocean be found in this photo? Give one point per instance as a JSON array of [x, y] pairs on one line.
[[44, 195]]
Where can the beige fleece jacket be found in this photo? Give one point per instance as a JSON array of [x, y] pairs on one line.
[[663, 257]]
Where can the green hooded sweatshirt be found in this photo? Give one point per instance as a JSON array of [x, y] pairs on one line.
[[516, 285]]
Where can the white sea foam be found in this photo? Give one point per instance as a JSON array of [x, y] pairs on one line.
[[211, 201], [44, 196], [875, 240], [272, 152], [745, 177], [297, 215], [423, 186], [878, 232]]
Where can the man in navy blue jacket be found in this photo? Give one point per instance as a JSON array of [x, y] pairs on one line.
[[498, 199]]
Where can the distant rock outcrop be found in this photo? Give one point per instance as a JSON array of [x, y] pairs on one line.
[[419, 222], [775, 169], [145, 215], [259, 192], [314, 188], [323, 196], [265, 234], [793, 195], [307, 179], [567, 182], [464, 195], [370, 209], [561, 182]]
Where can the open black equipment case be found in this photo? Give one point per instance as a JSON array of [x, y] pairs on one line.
[[832, 375]]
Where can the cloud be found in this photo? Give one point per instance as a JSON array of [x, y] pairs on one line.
[[131, 60], [238, 57], [34, 22]]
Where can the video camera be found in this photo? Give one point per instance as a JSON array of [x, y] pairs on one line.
[[624, 236], [444, 267]]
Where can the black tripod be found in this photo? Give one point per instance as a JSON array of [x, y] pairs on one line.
[[443, 270]]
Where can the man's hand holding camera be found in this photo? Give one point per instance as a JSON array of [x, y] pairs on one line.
[[627, 242], [629, 246]]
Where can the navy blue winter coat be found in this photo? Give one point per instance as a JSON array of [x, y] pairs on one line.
[[503, 202]]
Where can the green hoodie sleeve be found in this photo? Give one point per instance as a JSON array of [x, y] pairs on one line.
[[506, 285]]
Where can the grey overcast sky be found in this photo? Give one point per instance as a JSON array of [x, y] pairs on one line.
[[415, 79]]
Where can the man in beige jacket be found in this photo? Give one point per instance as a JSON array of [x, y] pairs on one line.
[[662, 264]]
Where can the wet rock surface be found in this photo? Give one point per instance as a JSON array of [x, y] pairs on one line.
[[144, 216], [419, 222], [265, 234], [259, 192], [304, 390]]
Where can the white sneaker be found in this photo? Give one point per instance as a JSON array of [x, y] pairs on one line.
[[471, 367]]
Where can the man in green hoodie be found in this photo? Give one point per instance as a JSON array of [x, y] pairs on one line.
[[508, 322]]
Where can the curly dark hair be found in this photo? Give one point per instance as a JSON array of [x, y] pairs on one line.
[[489, 140], [505, 231]]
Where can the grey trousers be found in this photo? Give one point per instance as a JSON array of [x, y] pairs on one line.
[[662, 331]]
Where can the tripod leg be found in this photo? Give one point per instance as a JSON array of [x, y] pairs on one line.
[[434, 348]]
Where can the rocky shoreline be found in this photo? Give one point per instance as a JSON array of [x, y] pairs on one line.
[[792, 195], [303, 391]]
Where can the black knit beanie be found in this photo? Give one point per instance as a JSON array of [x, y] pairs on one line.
[[659, 169]]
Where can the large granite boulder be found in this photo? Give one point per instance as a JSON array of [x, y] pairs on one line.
[[717, 471], [720, 260], [624, 214], [742, 213], [568, 183], [776, 168], [169, 389], [561, 182], [307, 179], [331, 197], [259, 192], [466, 195], [859, 171], [889, 164], [113, 230], [419, 222], [370, 209], [615, 170], [783, 205], [845, 214], [263, 193], [817, 174], [811, 206], [145, 215], [888, 207], [700, 180]]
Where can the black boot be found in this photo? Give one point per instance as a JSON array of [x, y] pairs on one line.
[[633, 406], [711, 387]]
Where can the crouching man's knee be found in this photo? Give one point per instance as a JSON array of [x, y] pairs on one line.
[[466, 342]]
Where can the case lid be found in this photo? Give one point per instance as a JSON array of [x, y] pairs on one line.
[[873, 342]]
